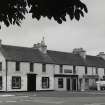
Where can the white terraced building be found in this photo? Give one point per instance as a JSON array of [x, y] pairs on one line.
[[36, 69]]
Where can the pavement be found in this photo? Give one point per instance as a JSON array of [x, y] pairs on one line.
[[55, 94], [53, 98]]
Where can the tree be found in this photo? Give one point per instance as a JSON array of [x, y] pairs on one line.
[[13, 11]]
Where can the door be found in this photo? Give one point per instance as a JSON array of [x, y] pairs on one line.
[[31, 82], [74, 84], [68, 84]]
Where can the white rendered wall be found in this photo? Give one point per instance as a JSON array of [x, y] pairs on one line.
[[3, 72], [24, 70]]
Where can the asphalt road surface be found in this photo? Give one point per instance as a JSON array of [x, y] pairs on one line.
[[51, 100]]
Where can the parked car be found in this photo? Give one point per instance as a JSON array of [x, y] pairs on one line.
[[101, 84]]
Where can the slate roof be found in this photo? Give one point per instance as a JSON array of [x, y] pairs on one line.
[[65, 58], [74, 59], [15, 53]]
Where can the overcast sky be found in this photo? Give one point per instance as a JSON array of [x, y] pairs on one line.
[[88, 33]]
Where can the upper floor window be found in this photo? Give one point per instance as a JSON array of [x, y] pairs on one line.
[[0, 66], [74, 69], [104, 71], [31, 67], [16, 82], [17, 66], [0, 82], [61, 69], [85, 69], [96, 70], [43, 67]]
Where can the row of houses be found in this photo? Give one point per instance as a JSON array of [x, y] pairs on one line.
[[36, 68]]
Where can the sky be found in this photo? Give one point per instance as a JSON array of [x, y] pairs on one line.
[[88, 33]]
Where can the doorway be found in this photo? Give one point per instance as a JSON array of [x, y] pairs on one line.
[[31, 82], [74, 84], [68, 84]]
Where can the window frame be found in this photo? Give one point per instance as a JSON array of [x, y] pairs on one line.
[[15, 77], [43, 68], [1, 83], [61, 69], [74, 69], [96, 71], [31, 67], [45, 82], [0, 66], [86, 71], [60, 83], [17, 66]]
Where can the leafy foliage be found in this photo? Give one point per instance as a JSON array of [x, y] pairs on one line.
[[13, 11]]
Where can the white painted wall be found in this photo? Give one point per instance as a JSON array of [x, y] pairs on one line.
[[23, 83], [57, 68], [56, 84], [65, 67], [91, 70], [39, 83], [3, 72], [25, 69], [101, 72], [80, 70]]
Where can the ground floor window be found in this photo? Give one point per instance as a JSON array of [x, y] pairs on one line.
[[16, 82], [0, 82], [45, 82], [60, 82]]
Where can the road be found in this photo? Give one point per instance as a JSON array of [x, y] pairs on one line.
[[51, 100]]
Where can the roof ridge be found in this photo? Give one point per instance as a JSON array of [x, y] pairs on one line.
[[61, 51], [17, 46]]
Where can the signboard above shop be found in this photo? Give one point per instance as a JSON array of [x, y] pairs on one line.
[[67, 71]]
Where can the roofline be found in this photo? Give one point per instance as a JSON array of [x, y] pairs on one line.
[[54, 63], [16, 46], [47, 50], [28, 61]]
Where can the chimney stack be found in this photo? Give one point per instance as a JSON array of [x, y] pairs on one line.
[[80, 51], [101, 55], [41, 46]]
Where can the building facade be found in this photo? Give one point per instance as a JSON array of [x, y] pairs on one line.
[[36, 69]]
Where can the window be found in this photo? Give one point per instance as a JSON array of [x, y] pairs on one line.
[[60, 82], [74, 69], [0, 82], [45, 82], [85, 70], [96, 70], [31, 67], [104, 71], [0, 66], [17, 66], [16, 82], [44, 68], [61, 68]]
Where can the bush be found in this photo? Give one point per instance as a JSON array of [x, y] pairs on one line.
[[94, 87]]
